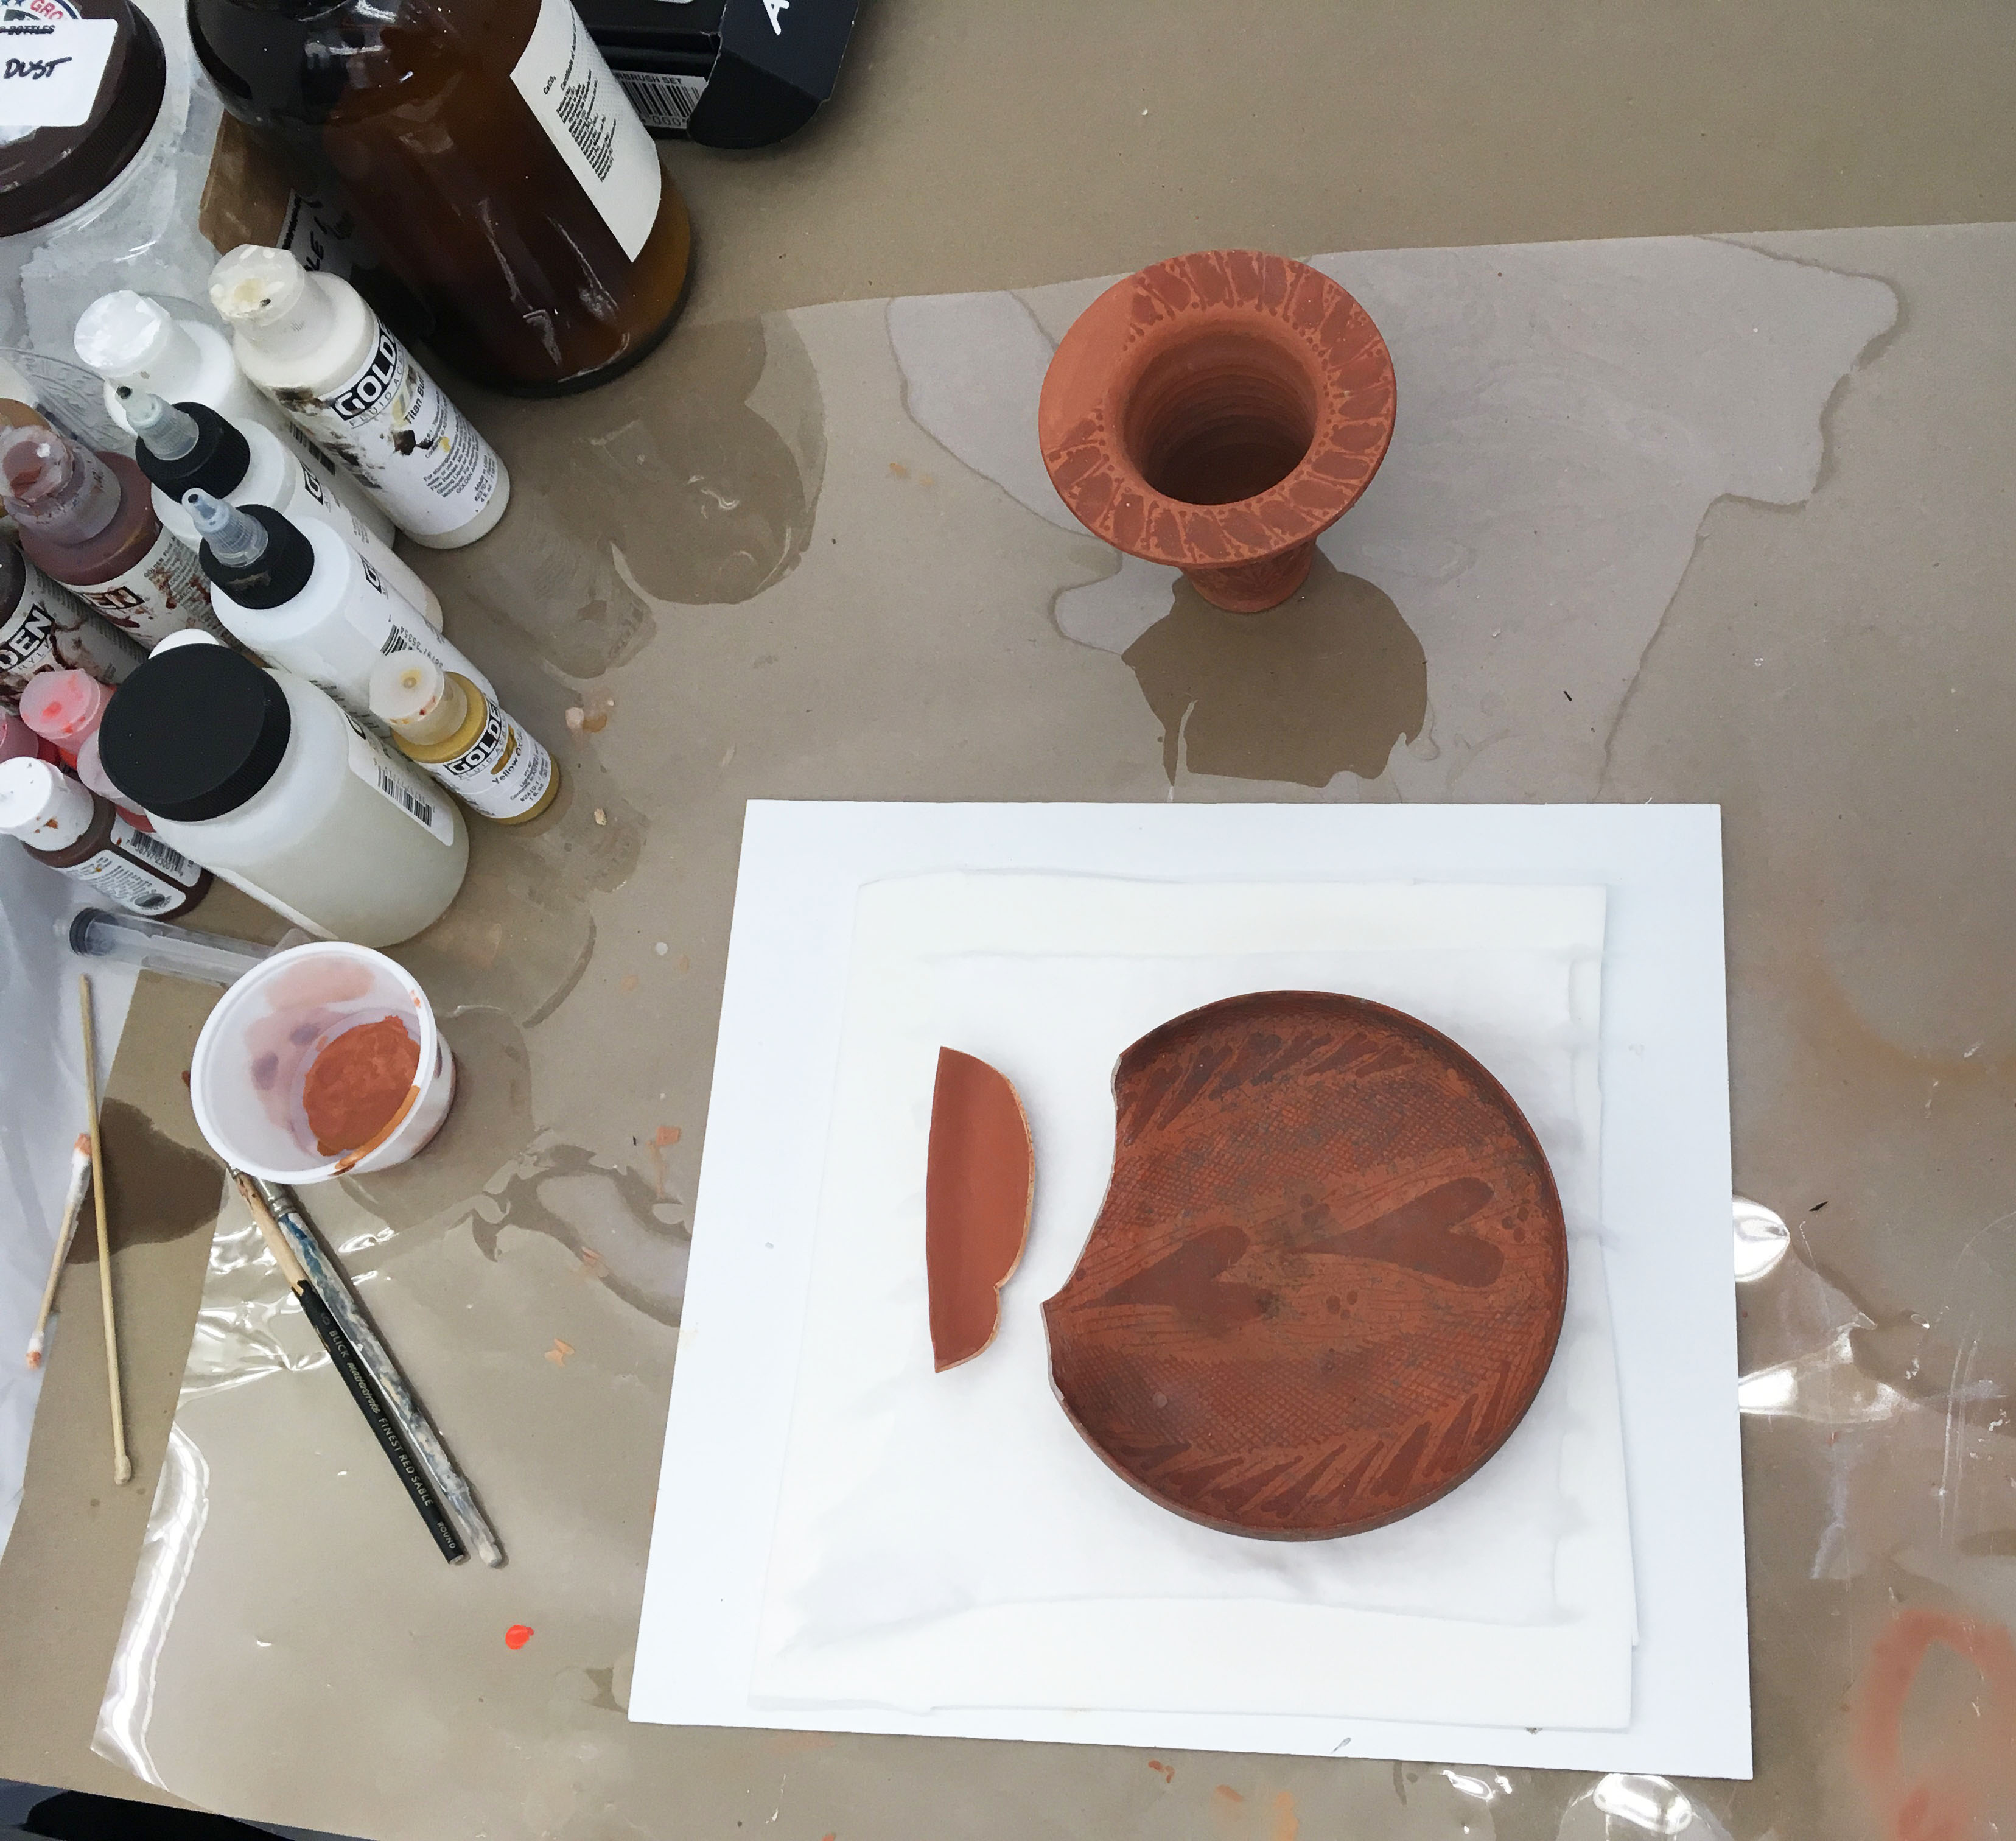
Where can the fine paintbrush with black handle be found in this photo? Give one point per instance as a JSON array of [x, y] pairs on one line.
[[354, 1377]]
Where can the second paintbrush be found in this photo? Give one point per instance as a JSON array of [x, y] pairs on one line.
[[411, 1472]]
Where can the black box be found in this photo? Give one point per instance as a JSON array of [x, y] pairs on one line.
[[724, 72]]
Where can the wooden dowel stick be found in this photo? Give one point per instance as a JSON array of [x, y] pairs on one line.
[[122, 1465]]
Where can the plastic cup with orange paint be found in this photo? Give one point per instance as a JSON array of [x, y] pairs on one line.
[[324, 1060]]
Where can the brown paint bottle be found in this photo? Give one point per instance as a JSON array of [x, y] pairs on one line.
[[488, 152], [72, 829], [88, 520]]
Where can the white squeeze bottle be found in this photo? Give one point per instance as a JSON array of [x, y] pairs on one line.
[[131, 340], [302, 599], [136, 344], [180, 446], [360, 395], [258, 776]]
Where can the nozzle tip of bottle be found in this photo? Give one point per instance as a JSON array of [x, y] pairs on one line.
[[235, 537], [209, 511], [144, 409]]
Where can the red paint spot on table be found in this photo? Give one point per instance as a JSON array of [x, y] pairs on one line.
[[1166, 1772], [1962, 1769], [517, 1636]]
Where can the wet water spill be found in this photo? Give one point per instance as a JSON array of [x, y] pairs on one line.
[[704, 493], [625, 1235], [488, 1125], [1324, 685], [155, 1189], [520, 933]]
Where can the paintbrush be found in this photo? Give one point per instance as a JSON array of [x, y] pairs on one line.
[[80, 1182], [122, 1465], [328, 1277], [390, 1440]]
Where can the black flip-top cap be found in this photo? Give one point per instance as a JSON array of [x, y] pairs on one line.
[[194, 733], [218, 462], [278, 576]]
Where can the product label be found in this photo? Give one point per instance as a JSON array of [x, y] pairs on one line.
[[48, 631], [114, 876], [504, 774], [664, 99], [162, 593], [389, 776], [151, 851], [567, 84], [317, 233], [389, 622], [372, 548], [50, 70], [392, 428], [318, 483]]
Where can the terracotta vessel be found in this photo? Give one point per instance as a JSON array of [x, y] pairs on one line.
[[1219, 411], [1328, 1276], [979, 1186]]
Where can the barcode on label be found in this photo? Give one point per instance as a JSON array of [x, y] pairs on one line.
[[416, 807], [143, 844], [395, 641], [662, 101]]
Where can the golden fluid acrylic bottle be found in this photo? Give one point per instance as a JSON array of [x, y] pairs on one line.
[[486, 150]]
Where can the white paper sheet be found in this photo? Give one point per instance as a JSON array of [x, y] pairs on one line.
[[42, 1112], [1665, 1189], [919, 1508]]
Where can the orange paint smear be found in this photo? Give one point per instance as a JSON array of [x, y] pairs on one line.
[[1166, 1772], [517, 1636], [1287, 1824], [1959, 1783], [354, 1088], [662, 1139]]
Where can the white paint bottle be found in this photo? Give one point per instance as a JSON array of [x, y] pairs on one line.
[[260, 777], [303, 600], [447, 725], [133, 342], [180, 446], [359, 395], [136, 344]]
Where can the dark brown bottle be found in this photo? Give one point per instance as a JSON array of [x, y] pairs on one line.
[[487, 151], [70, 828]]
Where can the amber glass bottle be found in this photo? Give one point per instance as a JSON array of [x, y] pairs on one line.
[[490, 155]]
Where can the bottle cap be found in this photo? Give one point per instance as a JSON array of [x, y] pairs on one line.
[[64, 705], [269, 300], [42, 805], [125, 334], [209, 453], [259, 557], [423, 704], [49, 171], [194, 733], [55, 488]]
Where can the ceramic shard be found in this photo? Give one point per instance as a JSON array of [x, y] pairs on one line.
[[1328, 1276], [980, 1184]]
